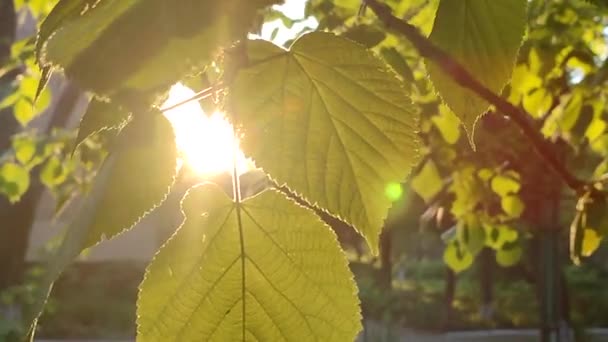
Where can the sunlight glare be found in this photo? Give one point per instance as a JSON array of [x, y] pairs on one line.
[[206, 143]]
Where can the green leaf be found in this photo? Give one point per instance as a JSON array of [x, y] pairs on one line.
[[504, 185], [512, 205], [24, 111], [456, 257], [471, 235], [263, 270], [484, 36], [397, 61], [100, 116], [145, 45], [134, 178], [498, 236], [509, 255], [448, 125], [25, 148], [64, 11], [538, 102], [14, 181], [342, 123], [144, 170], [53, 173], [366, 35], [591, 242], [427, 183]]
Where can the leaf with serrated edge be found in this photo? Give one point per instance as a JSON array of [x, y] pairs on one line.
[[330, 120], [100, 116], [145, 45], [483, 35], [266, 269], [120, 197], [146, 143]]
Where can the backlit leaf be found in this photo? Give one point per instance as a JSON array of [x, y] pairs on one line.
[[591, 242], [25, 148], [341, 122], [484, 36], [263, 270], [145, 45], [14, 181], [457, 257], [512, 205], [143, 171], [132, 180], [509, 256], [23, 111], [448, 125], [53, 173], [471, 235], [504, 185], [427, 183]]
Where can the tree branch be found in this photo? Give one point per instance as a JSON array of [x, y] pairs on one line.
[[461, 76]]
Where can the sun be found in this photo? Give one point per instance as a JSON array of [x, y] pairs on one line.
[[206, 142]]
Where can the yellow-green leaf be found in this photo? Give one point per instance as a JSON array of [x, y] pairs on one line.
[[484, 36], [14, 181], [342, 125], [25, 148], [133, 180], [504, 185], [448, 125], [507, 257], [266, 269], [143, 171], [24, 111], [53, 172], [145, 45], [457, 257], [512, 205], [591, 242], [427, 183]]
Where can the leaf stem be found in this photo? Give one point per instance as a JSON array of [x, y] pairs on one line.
[[203, 94], [461, 76], [236, 193]]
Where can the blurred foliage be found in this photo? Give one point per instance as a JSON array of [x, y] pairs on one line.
[[497, 195]]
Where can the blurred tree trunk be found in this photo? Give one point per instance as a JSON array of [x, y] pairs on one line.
[[552, 290], [449, 294], [11, 235]]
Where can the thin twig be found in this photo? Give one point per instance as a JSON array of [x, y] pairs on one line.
[[203, 94], [461, 76]]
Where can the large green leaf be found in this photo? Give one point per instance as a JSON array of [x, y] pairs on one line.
[[144, 45], [330, 120], [263, 270], [63, 11], [483, 35], [143, 172], [134, 178]]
